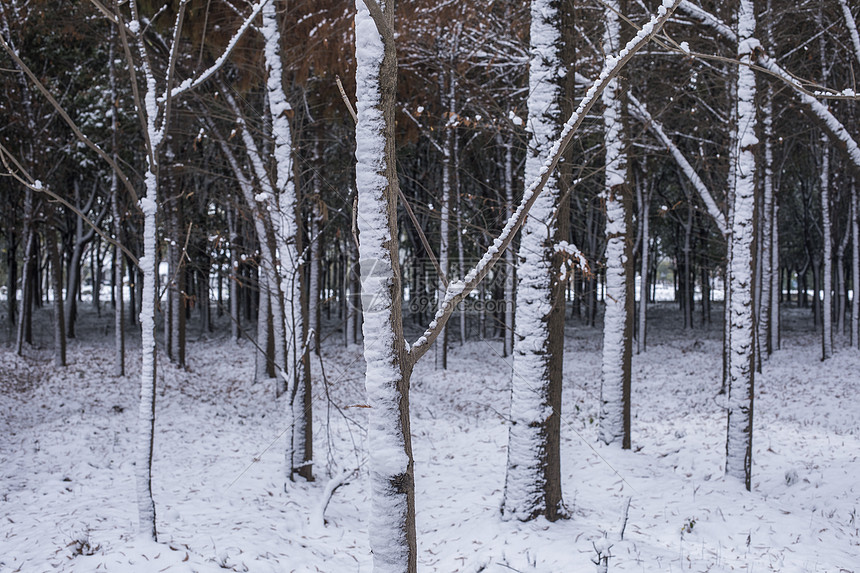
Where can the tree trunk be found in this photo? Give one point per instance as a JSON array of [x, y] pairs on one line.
[[392, 486], [57, 286], [827, 275], [264, 318], [26, 313], [855, 267], [510, 269], [614, 416], [768, 294], [741, 382], [532, 481], [644, 220]]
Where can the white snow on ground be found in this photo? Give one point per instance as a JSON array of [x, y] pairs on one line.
[[67, 500]]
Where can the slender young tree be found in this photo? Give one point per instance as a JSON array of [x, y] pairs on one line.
[[741, 369]]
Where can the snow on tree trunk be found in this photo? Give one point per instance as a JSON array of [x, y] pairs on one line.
[[444, 220], [146, 414], [392, 486], [741, 378], [775, 280], [768, 224], [851, 24], [644, 211], [300, 448], [316, 259], [855, 267], [532, 481], [510, 269], [614, 416], [827, 278]]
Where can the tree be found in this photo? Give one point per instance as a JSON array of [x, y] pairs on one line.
[[532, 479], [617, 195], [741, 366]]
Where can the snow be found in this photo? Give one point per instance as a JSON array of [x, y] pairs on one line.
[[220, 507]]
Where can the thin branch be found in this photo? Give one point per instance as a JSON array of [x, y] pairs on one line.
[[346, 99]]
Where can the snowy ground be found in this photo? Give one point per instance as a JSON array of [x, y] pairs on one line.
[[67, 499]]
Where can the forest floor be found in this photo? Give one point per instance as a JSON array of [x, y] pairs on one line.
[[67, 494]]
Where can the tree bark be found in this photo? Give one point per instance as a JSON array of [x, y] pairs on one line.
[[614, 416], [392, 485], [741, 382]]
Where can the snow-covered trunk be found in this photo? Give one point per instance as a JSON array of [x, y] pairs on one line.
[[461, 256], [826, 238], [532, 481], [851, 24], [644, 220], [509, 253], [392, 485], [614, 416], [767, 291], [25, 312], [730, 199], [775, 280], [316, 261], [444, 219], [57, 287], [300, 447], [146, 413], [742, 263], [855, 267]]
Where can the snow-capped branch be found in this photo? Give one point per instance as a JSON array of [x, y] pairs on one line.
[[640, 111], [460, 289], [828, 122], [190, 83]]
